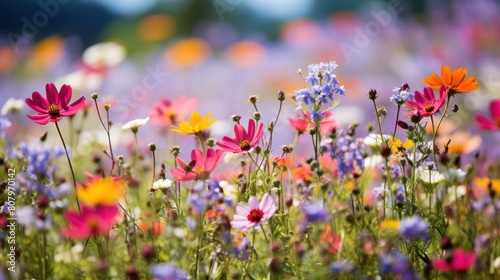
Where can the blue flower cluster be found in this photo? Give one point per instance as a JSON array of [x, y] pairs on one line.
[[348, 151], [401, 95], [324, 85], [167, 271], [414, 227], [398, 264]]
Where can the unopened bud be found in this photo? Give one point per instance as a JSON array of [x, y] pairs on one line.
[[175, 151], [210, 142], [257, 116], [94, 96], [281, 95], [253, 99], [403, 125], [405, 87], [152, 147], [372, 94], [236, 118]]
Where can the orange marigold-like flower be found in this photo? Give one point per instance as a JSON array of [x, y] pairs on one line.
[[454, 80]]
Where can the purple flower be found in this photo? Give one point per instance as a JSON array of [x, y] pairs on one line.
[[401, 95], [348, 151], [242, 249], [167, 271], [4, 125], [341, 266], [398, 264], [315, 212], [413, 227]]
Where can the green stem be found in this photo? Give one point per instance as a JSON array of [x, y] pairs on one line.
[[396, 124], [70, 165], [264, 232], [435, 132], [44, 254]]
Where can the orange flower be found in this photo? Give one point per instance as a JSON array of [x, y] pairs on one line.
[[454, 80]]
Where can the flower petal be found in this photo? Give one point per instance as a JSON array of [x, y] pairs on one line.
[[51, 93], [65, 95]]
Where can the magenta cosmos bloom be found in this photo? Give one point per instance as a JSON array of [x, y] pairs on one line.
[[254, 214], [245, 139], [426, 103], [200, 166], [484, 123], [168, 112], [91, 222], [461, 261], [55, 106]]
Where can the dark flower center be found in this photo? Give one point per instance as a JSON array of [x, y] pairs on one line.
[[497, 122], [429, 107], [255, 215], [244, 145], [93, 225], [54, 110]]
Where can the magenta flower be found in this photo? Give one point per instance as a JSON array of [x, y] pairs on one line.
[[426, 103], [484, 123], [55, 106], [200, 166], [254, 214], [245, 139], [461, 261], [91, 221]]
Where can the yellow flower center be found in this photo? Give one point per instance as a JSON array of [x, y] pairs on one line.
[[170, 114], [53, 110], [429, 107], [199, 170], [93, 224], [244, 145]]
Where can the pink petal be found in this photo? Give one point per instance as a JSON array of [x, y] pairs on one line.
[[441, 265], [429, 94], [228, 144], [258, 136], [43, 119], [462, 261], [197, 154], [65, 95], [51, 93], [73, 108], [419, 97], [242, 210], [495, 108], [39, 100], [253, 203], [35, 106], [251, 129], [484, 123], [239, 132], [182, 176]]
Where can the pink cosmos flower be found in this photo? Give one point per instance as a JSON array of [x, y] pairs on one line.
[[55, 106], [327, 123], [167, 112], [426, 103], [91, 222], [245, 139], [200, 166], [484, 123], [459, 262], [254, 214]]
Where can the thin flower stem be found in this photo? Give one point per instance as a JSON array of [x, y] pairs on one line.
[[439, 124], [44, 254], [70, 165], [396, 124], [154, 167], [433, 140], [264, 232]]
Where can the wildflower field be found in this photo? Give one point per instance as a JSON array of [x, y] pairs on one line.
[[103, 178]]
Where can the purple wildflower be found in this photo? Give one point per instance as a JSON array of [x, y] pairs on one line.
[[413, 227], [341, 266], [348, 151], [167, 271], [398, 264], [401, 95]]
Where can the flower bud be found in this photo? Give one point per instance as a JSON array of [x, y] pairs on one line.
[[236, 118], [257, 116], [210, 142], [405, 87], [152, 147], [175, 151], [107, 106], [281, 95], [148, 252], [403, 125], [372, 94], [385, 151], [253, 99], [94, 96]]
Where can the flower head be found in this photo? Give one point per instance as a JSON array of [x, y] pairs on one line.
[[302, 124], [460, 261], [167, 112], [91, 221], [101, 191], [167, 271], [12, 105], [454, 80], [55, 106], [245, 139], [195, 125], [413, 227], [396, 144], [254, 214], [200, 166], [162, 184], [135, 124], [401, 95], [425, 104], [490, 124]]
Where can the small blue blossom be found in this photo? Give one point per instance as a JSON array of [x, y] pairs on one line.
[[167, 271], [242, 249], [398, 264], [414, 227], [4, 125], [341, 266], [401, 95], [348, 151], [314, 212]]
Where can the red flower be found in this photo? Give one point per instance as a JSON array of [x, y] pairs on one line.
[[425, 103], [327, 123], [245, 140], [55, 106], [167, 112], [91, 221], [460, 261], [200, 166], [484, 123]]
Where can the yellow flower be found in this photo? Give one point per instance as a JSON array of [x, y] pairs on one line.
[[390, 224], [101, 191], [486, 183], [396, 144], [195, 125]]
